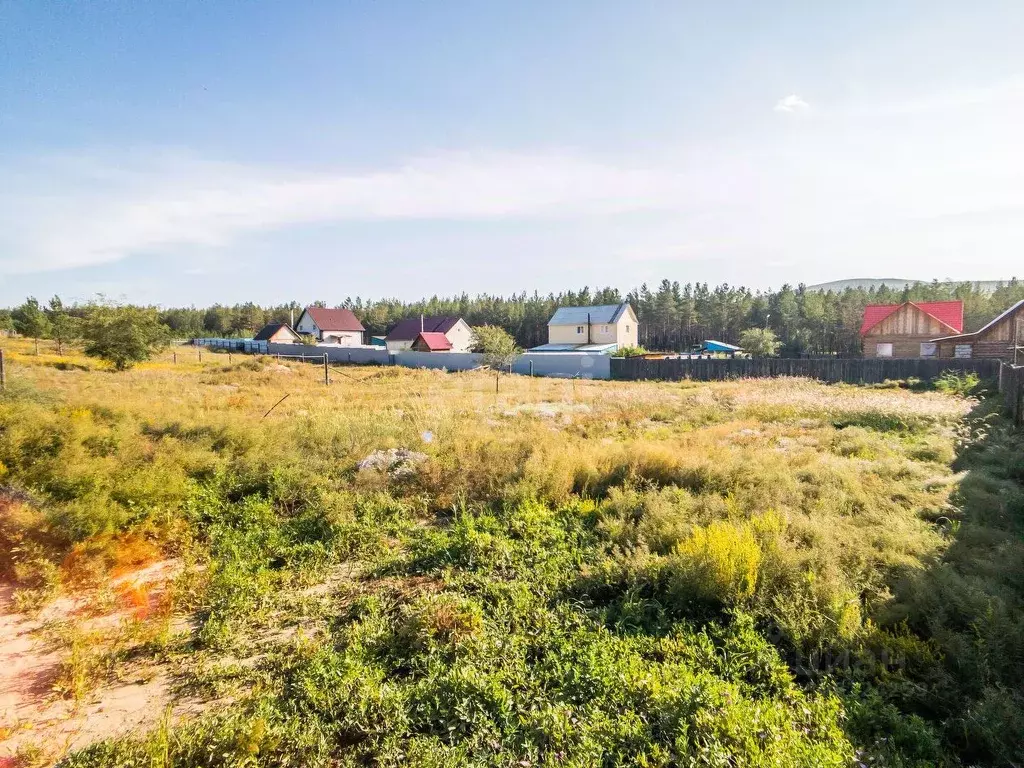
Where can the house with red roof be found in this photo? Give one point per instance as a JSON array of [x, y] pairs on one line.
[[331, 326], [454, 329], [909, 329]]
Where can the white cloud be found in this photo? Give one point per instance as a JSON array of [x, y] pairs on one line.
[[791, 103], [856, 189], [88, 213]]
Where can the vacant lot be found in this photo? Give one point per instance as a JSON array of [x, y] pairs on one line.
[[406, 568]]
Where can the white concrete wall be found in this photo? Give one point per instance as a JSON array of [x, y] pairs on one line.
[[564, 365]]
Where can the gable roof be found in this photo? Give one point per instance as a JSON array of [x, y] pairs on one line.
[[435, 341], [987, 325], [601, 313], [409, 329], [267, 331], [334, 319], [949, 313]]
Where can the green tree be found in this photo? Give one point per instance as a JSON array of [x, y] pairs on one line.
[[760, 342], [64, 327], [30, 320], [498, 346], [123, 335]]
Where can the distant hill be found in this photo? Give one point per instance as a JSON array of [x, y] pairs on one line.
[[898, 284]]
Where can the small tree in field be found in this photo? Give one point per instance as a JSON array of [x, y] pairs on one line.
[[123, 335], [30, 320], [499, 348], [760, 342], [64, 327]]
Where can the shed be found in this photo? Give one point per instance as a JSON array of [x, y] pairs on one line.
[[280, 333], [1001, 339], [431, 341]]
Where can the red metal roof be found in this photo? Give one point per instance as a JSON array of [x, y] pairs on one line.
[[334, 319], [950, 313], [409, 329], [435, 341]]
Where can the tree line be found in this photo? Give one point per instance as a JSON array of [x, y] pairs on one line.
[[673, 316]]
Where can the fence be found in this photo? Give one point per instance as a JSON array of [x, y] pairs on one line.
[[567, 365], [233, 345], [1011, 385], [851, 371]]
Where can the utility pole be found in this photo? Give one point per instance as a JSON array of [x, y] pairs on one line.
[[327, 374]]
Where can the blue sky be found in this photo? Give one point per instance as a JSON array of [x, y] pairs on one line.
[[193, 152]]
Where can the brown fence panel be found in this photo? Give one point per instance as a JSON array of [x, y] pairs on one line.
[[851, 371], [1011, 385]]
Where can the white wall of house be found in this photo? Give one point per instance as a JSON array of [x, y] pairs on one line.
[[343, 338], [461, 336], [307, 326], [398, 346]]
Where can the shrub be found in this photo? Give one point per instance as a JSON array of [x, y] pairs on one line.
[[717, 564]]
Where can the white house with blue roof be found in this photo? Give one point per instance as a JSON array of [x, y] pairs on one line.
[[597, 329]]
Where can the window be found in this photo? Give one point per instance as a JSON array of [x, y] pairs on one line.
[[883, 350], [579, 329], [627, 329], [963, 351], [604, 329], [929, 349]]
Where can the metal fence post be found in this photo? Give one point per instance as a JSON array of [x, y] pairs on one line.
[[3, 372]]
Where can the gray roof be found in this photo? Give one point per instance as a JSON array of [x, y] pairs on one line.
[[604, 313]]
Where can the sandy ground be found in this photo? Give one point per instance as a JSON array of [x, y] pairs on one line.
[[33, 716]]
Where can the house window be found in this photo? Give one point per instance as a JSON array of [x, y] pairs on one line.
[[929, 349], [627, 329], [604, 329], [883, 350], [579, 329], [963, 351]]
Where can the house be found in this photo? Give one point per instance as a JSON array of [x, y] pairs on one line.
[[331, 326], [1001, 339], [431, 341], [455, 329], [603, 328], [279, 333], [909, 329]]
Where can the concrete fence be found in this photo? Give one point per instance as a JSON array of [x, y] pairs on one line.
[[562, 365], [851, 371]]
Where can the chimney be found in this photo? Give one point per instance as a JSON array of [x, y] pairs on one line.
[[421, 322], [291, 317], [588, 327]]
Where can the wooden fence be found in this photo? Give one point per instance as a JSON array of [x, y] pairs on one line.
[[851, 371], [1011, 385]]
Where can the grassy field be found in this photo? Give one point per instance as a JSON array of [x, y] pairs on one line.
[[406, 568]]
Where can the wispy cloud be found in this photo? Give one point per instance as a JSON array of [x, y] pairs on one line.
[[791, 103], [90, 212]]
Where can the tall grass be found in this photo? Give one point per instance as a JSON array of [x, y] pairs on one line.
[[744, 573]]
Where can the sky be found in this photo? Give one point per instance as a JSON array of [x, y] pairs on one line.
[[193, 152]]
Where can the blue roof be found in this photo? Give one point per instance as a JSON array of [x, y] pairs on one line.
[[720, 346], [604, 313]]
